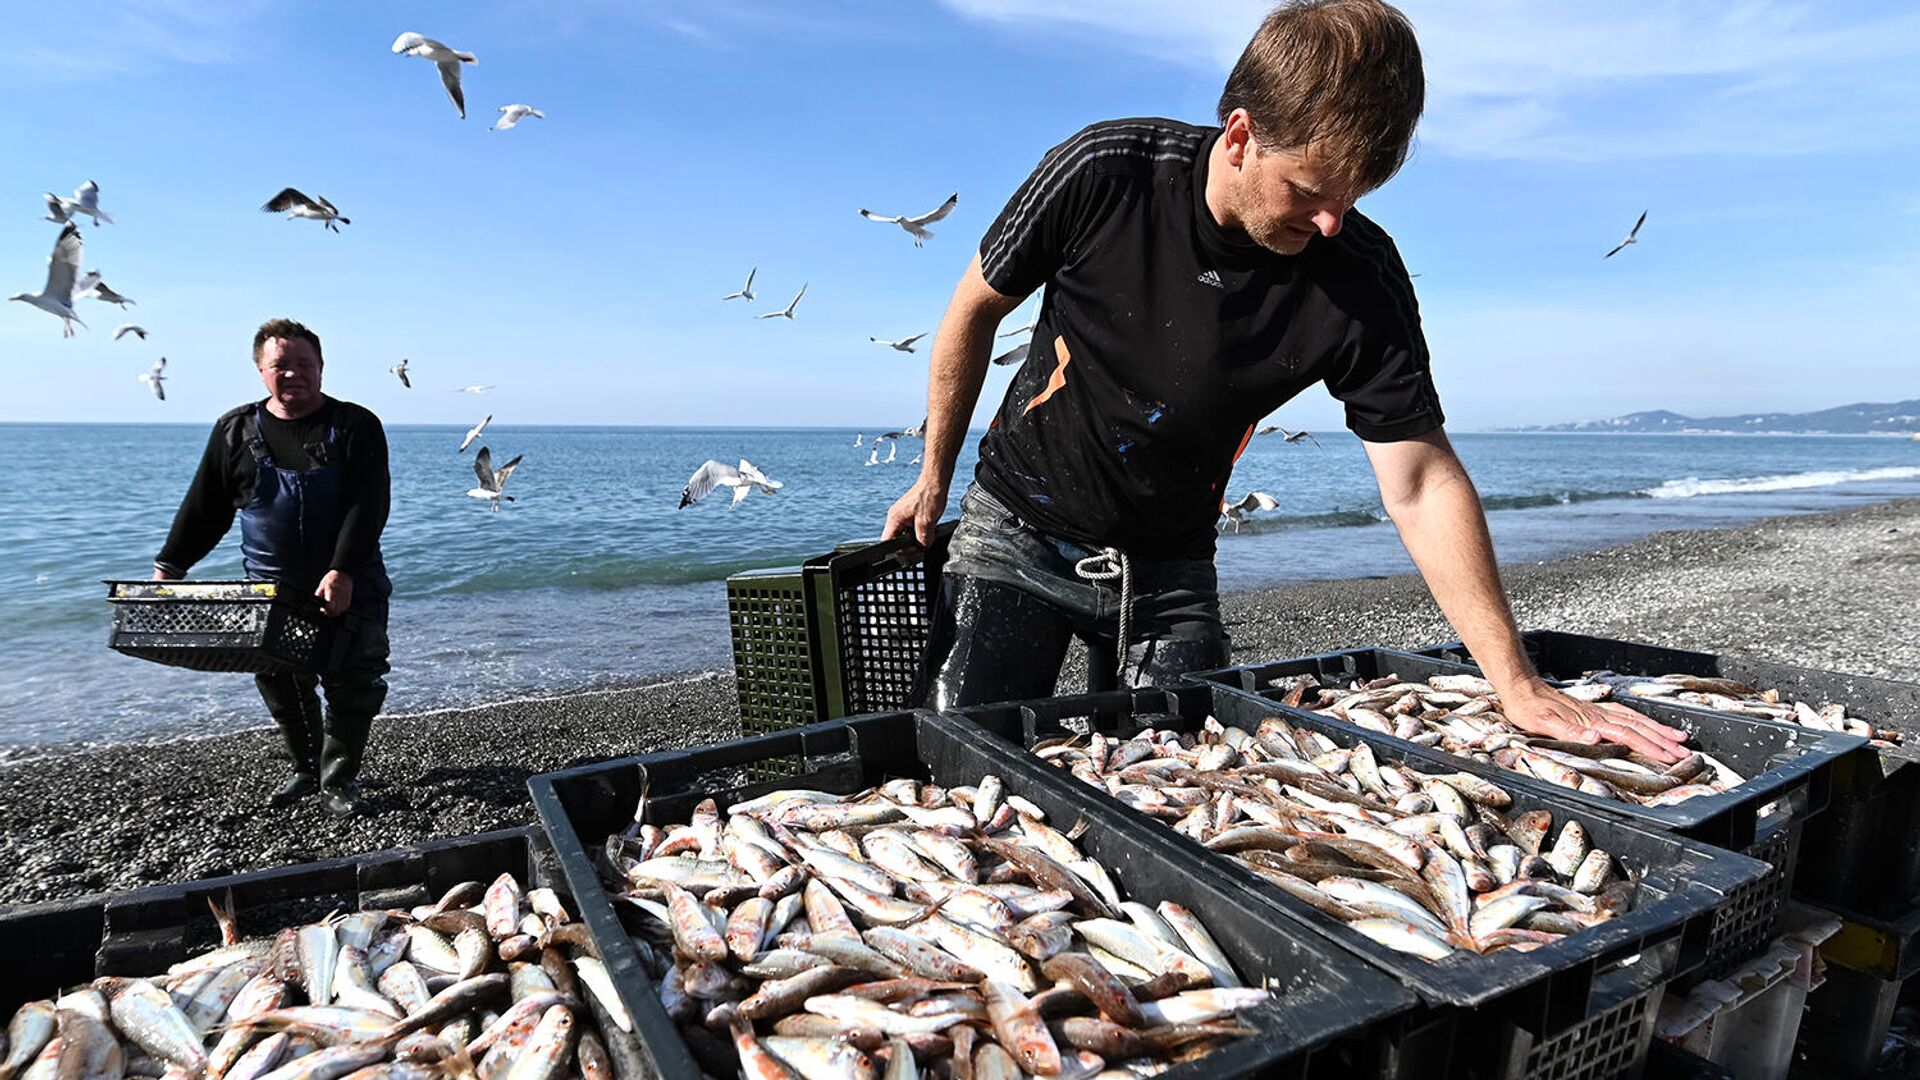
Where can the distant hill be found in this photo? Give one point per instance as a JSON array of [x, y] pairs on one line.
[[1896, 418]]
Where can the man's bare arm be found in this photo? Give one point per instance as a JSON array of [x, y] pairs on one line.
[[1434, 505], [962, 351]]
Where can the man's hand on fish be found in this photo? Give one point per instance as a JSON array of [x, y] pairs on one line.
[[1537, 707]]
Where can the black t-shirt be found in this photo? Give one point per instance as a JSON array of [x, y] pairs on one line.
[[224, 481], [1163, 339]]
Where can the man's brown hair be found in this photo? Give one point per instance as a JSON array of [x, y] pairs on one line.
[[1342, 77], [286, 330]]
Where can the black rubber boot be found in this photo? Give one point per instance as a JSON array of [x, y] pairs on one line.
[[296, 711], [350, 713]]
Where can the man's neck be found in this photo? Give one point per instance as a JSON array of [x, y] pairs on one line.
[[1219, 175], [281, 412]]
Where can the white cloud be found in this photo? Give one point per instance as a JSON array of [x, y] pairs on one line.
[[1518, 80], [44, 43]]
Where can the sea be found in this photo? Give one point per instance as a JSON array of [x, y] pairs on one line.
[[593, 577]]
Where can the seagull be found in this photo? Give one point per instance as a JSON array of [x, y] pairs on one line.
[[473, 389], [59, 210], [511, 114], [857, 439], [917, 431], [491, 482], [63, 273], [874, 458], [447, 60], [400, 369], [1015, 355], [128, 328], [1632, 236], [892, 449], [788, 313], [86, 200], [1254, 500], [92, 288], [746, 291], [1021, 330], [904, 345], [915, 226], [474, 433], [915, 460], [157, 378], [297, 204], [742, 480], [1287, 436]]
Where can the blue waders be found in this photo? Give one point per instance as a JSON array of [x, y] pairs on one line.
[[287, 534]]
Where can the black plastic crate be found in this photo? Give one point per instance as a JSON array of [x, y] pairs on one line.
[[1334, 1015], [225, 626], [1666, 1061], [776, 667], [1865, 851], [51, 947], [1844, 1033], [1569, 1011]]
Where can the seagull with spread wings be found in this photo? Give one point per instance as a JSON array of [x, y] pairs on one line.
[[746, 291], [57, 296], [787, 312], [92, 288], [129, 328], [713, 474], [1020, 329], [86, 200], [474, 433], [475, 389], [916, 226], [1633, 237], [400, 371], [296, 204], [157, 378], [446, 59], [1235, 513], [513, 114], [491, 481], [917, 431], [1015, 355], [904, 345], [1287, 436]]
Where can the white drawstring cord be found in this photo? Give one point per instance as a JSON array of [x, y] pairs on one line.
[[1107, 564]]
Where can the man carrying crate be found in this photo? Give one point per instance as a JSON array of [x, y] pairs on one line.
[[308, 476], [1196, 279]]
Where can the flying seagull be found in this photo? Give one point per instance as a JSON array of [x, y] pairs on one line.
[[86, 200], [874, 458], [746, 291], [473, 389], [474, 433], [1020, 329], [59, 210], [1287, 436], [446, 59], [63, 273], [857, 439], [400, 369], [128, 328], [157, 378], [1015, 355], [788, 312], [1254, 500], [917, 431], [916, 226], [892, 449], [296, 204], [1632, 236], [491, 482], [512, 114], [92, 288], [904, 345], [915, 460], [712, 474]]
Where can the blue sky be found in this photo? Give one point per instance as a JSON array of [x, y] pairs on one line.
[[577, 263]]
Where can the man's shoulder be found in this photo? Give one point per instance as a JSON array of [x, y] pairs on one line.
[[1363, 255], [1135, 146], [351, 414], [234, 419]]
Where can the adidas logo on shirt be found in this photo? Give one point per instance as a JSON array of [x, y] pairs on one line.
[[1212, 277]]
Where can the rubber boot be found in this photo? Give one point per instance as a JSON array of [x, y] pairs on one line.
[[296, 711], [350, 713]]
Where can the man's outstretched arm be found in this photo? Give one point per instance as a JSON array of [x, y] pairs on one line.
[[962, 351], [1434, 505]]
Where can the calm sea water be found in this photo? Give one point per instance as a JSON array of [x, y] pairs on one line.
[[594, 577]]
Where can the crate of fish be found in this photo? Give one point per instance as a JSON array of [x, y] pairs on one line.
[[1865, 850], [1748, 785], [1548, 934], [225, 626], [456, 953], [916, 897]]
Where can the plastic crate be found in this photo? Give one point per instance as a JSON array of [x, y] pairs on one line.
[[225, 626], [841, 635], [1748, 1021], [1844, 1035], [1569, 1011], [1866, 849], [55, 946], [1789, 770], [1333, 1016]]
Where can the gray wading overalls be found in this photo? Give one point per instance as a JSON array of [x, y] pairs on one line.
[[288, 530]]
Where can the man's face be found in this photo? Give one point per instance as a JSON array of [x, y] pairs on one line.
[[291, 371], [1284, 202]]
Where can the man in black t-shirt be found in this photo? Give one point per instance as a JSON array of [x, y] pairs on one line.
[[308, 476], [1196, 278]]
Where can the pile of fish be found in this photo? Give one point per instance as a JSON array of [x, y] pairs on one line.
[[486, 983], [1461, 715], [1426, 864], [1730, 696], [914, 926]]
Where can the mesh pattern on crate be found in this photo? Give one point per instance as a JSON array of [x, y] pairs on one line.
[[191, 617], [1746, 923], [1598, 1048], [883, 631], [772, 656]]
